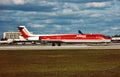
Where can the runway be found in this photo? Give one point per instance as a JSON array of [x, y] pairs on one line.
[[38, 47]]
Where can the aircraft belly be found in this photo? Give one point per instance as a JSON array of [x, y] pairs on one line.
[[73, 40]]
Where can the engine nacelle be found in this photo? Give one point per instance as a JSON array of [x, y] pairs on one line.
[[33, 38]]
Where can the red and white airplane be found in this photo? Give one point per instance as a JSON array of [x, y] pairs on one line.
[[64, 38]]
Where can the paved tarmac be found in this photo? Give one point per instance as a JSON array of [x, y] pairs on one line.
[[38, 47]]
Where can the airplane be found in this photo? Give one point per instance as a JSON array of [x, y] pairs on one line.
[[63, 38]]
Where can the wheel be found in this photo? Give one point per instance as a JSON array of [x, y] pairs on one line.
[[59, 44], [53, 44]]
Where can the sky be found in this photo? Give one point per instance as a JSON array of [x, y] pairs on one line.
[[61, 16]]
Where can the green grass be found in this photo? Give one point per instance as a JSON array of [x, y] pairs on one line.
[[60, 63]]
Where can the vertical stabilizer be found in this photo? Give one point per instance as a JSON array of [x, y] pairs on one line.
[[80, 32], [24, 32]]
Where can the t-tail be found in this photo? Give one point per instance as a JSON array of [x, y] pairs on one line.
[[24, 32]]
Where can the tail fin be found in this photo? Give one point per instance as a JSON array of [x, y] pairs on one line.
[[24, 32], [80, 32]]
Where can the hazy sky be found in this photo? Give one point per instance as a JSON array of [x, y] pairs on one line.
[[61, 16]]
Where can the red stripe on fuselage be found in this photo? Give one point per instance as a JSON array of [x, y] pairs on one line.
[[24, 34], [75, 37]]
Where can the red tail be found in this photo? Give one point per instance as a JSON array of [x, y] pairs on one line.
[[24, 32]]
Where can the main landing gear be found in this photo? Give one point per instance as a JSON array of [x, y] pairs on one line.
[[54, 44]]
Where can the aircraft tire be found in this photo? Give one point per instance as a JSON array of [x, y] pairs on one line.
[[53, 44], [59, 44]]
